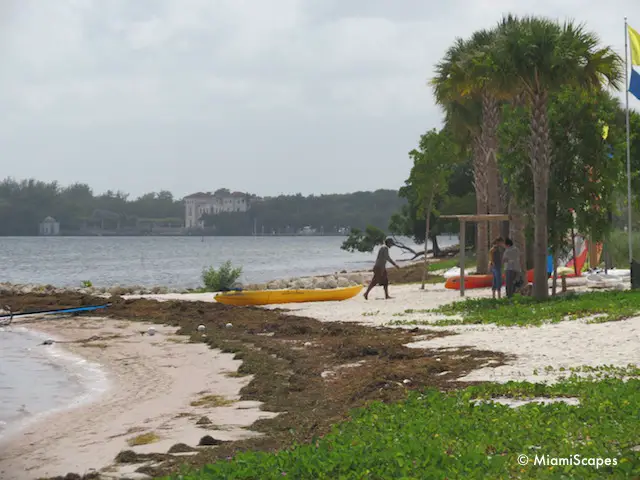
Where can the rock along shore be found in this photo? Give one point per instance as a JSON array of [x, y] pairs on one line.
[[337, 280]]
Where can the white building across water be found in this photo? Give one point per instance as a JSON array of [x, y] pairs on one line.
[[199, 204], [49, 227]]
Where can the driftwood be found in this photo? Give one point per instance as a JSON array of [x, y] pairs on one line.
[[444, 252]]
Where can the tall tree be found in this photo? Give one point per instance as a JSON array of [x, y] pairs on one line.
[[468, 91], [586, 172], [433, 163], [478, 79], [538, 56]]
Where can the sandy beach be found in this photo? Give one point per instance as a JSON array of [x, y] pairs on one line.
[[153, 381], [565, 344]]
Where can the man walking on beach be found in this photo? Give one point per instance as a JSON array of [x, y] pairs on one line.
[[511, 261], [380, 269]]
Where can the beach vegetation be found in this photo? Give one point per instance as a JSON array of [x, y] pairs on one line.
[[178, 339], [463, 434], [87, 284], [99, 345], [598, 372], [221, 278], [235, 374], [433, 163], [582, 191], [212, 401], [364, 240], [618, 247], [143, 439], [410, 221], [596, 307]]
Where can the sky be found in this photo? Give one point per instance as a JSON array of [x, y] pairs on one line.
[[263, 96]]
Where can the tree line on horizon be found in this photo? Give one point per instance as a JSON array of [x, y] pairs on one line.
[[326, 213], [528, 108], [25, 203]]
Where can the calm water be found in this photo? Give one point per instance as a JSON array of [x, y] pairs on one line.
[[36, 378], [172, 261]]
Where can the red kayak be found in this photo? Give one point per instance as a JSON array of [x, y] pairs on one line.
[[485, 281]]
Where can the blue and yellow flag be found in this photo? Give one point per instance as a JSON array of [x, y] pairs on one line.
[[634, 40]]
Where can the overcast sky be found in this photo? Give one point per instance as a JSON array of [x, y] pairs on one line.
[[264, 96]]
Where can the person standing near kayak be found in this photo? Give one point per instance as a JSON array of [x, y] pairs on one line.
[[511, 260], [380, 276], [495, 254]]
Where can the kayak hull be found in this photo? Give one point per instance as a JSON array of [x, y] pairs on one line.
[[485, 281], [277, 297], [77, 310]]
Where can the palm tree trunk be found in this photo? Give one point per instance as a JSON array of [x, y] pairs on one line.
[[517, 231], [517, 225], [482, 240], [540, 164], [490, 124], [505, 206], [480, 183]]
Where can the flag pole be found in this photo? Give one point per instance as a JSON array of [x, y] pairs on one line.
[[626, 77]]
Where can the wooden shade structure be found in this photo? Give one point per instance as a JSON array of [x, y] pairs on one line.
[[463, 219]]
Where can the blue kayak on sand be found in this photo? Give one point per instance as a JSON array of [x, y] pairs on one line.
[[86, 308]]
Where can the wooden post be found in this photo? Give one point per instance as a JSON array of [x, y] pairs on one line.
[[463, 228], [573, 247], [593, 253]]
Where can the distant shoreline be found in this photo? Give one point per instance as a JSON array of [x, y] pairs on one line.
[[84, 235]]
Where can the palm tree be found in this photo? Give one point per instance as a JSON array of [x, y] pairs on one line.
[[463, 117], [478, 81], [463, 120], [538, 56], [465, 77]]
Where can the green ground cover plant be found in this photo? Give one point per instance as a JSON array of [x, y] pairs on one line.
[[222, 278], [597, 306], [457, 434]]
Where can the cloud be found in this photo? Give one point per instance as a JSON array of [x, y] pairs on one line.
[[295, 92]]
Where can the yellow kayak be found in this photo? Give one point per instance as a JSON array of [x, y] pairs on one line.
[[275, 297]]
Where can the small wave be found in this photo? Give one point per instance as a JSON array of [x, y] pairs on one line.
[[56, 380]]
